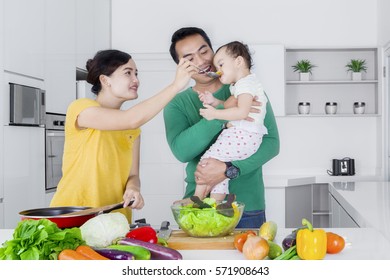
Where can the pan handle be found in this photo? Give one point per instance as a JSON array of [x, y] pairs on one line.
[[118, 206]]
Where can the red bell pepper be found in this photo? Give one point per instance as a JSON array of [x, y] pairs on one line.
[[147, 234]]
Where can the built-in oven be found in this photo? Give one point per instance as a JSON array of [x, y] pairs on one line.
[[55, 139]]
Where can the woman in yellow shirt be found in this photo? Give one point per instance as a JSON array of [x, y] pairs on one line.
[[102, 143]]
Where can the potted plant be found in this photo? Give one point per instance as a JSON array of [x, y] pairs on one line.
[[356, 66], [304, 67]]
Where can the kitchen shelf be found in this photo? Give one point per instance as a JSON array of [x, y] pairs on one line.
[[330, 82], [321, 213], [293, 82], [333, 115]]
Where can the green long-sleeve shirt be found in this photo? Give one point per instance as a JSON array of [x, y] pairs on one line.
[[189, 135]]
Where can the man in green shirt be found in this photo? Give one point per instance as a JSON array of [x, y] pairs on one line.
[[189, 135]]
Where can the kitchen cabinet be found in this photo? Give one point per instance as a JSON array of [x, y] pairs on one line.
[[340, 218], [1, 126], [275, 206], [24, 171], [24, 37], [298, 205], [48, 198], [330, 82], [93, 29], [1, 212], [308, 201], [60, 54]]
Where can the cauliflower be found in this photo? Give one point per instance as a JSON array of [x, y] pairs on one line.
[[102, 230]]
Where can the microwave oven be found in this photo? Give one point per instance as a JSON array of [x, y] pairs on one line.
[[27, 105]]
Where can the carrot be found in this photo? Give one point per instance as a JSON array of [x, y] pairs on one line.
[[69, 254], [90, 253]]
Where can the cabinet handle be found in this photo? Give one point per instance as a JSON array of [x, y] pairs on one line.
[[1, 200]]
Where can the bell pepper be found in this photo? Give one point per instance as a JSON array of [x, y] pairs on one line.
[[311, 243], [146, 233]]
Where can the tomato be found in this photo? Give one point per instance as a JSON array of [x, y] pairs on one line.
[[240, 239], [335, 243]]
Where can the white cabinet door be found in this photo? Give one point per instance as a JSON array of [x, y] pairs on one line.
[[1, 213], [93, 29], [60, 77], [24, 34], [24, 171], [340, 218], [275, 205], [48, 198]]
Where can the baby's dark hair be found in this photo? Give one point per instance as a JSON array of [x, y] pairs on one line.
[[236, 49], [105, 62]]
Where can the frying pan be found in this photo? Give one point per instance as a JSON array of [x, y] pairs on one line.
[[68, 216]]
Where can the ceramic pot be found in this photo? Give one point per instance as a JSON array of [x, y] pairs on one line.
[[331, 108]]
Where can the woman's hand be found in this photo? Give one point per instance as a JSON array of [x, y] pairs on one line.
[[133, 193], [184, 71]]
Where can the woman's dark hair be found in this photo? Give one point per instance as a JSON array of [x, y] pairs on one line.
[[183, 33], [104, 63], [236, 49]]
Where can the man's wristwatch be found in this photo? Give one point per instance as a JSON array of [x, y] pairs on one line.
[[231, 170]]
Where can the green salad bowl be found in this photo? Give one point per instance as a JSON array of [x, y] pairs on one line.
[[207, 222]]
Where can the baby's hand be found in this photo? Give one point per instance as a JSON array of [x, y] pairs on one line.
[[206, 97], [207, 113]]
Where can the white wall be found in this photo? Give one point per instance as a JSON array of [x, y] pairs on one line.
[[383, 22], [146, 26]]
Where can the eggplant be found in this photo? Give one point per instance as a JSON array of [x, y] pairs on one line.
[[114, 254], [157, 251], [289, 240]]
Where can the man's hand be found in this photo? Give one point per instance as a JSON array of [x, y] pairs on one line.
[[210, 172]]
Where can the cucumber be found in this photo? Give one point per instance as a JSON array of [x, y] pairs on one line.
[[140, 253], [268, 230], [274, 250]]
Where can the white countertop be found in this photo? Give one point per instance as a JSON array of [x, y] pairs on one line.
[[368, 203], [287, 181], [361, 244]]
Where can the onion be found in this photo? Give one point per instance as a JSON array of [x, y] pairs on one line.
[[255, 248]]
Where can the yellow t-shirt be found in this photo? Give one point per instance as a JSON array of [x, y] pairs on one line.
[[96, 163]]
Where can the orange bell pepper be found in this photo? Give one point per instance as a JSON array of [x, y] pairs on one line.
[[311, 244]]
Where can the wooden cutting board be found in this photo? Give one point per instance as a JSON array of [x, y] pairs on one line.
[[179, 240]]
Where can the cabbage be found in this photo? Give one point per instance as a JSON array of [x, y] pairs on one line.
[[102, 230]]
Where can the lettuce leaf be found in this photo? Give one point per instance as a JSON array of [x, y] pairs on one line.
[[205, 222], [39, 240]]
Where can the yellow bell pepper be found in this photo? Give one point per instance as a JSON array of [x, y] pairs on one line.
[[311, 244]]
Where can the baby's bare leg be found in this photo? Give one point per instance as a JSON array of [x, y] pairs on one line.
[[200, 191], [219, 197]]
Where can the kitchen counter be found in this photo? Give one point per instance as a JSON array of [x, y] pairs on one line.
[[368, 203], [361, 244]]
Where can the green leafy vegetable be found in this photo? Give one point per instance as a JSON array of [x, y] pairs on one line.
[[207, 221], [39, 240]]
